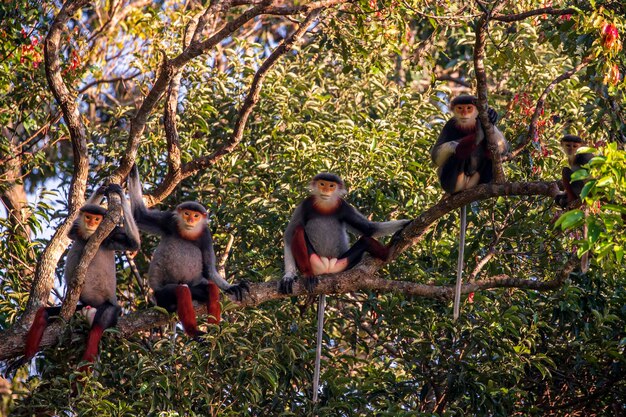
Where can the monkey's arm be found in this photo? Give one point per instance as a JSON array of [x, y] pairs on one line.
[[359, 223], [209, 269], [126, 238], [98, 196], [285, 285], [74, 231], [149, 221], [290, 263], [503, 145], [445, 145]]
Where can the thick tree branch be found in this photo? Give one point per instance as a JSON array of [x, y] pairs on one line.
[[44, 275], [482, 26], [537, 12], [363, 277], [416, 229]]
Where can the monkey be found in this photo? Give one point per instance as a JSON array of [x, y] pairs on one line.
[[460, 153], [572, 189], [463, 161], [316, 242], [98, 301], [183, 266]]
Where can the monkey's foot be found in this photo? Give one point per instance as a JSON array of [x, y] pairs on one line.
[[237, 290], [310, 283], [322, 265], [285, 285]]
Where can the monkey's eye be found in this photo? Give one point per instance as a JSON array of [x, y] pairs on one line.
[[332, 185], [196, 215]]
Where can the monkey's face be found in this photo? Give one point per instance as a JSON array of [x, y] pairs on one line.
[[327, 194], [90, 222], [191, 219], [326, 190], [570, 148], [465, 115]]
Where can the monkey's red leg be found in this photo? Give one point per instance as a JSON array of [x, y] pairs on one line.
[[300, 252], [106, 316], [184, 308], [93, 341], [35, 333], [213, 306]]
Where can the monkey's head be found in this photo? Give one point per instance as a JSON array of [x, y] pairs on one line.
[[327, 189], [465, 112], [89, 219], [191, 219], [570, 144]]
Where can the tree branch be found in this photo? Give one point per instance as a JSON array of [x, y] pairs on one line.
[[525, 15], [173, 178], [482, 27], [44, 275], [252, 98], [363, 277]]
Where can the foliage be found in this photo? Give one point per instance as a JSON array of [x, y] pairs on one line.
[[364, 96]]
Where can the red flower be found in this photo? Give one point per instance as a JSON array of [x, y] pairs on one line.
[[470, 297], [610, 35]]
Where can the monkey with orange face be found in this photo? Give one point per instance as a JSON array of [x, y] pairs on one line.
[[98, 299], [183, 266], [463, 161], [316, 238], [460, 153]]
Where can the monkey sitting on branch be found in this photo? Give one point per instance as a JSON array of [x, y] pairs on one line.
[[183, 266], [463, 161], [316, 243], [98, 300]]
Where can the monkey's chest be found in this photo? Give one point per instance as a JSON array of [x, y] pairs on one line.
[[176, 261], [327, 235]]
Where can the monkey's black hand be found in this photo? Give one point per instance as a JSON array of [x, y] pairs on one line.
[[237, 290], [102, 190], [310, 283], [285, 285], [115, 188], [492, 115]]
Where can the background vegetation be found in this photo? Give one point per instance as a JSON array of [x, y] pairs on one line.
[[212, 108]]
